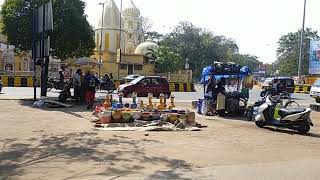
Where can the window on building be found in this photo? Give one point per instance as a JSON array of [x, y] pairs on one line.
[[123, 66], [130, 24], [106, 41], [138, 67]]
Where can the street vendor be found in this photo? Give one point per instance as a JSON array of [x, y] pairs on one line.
[[211, 87], [220, 87]]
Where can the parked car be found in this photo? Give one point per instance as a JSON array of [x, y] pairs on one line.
[[271, 82], [146, 84], [131, 77], [315, 90]]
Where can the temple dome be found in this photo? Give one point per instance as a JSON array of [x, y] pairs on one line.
[[131, 10], [111, 17], [143, 48]]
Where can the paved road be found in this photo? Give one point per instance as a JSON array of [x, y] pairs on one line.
[[26, 92]]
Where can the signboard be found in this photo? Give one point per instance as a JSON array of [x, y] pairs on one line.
[[262, 67], [314, 57], [118, 55]]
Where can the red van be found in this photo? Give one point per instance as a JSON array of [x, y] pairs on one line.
[[146, 84]]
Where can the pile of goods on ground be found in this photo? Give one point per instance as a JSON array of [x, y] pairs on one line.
[[113, 115]]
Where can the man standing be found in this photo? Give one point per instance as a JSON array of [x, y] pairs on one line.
[[92, 83], [77, 85]]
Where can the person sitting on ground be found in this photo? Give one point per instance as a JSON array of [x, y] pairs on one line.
[[92, 84]]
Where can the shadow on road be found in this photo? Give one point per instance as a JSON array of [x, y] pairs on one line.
[[75, 110], [116, 156], [292, 132]]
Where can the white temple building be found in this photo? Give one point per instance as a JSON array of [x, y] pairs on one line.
[[107, 38]]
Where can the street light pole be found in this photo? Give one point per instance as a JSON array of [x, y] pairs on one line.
[[120, 37], [301, 42], [102, 24]]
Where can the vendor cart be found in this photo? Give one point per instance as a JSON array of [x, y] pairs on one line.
[[234, 102]]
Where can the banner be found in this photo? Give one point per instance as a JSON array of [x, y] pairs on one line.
[[314, 55]]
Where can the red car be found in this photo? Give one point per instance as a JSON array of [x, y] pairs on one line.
[[146, 84]]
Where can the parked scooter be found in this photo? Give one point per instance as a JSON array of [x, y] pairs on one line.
[[55, 83], [253, 109], [292, 118]]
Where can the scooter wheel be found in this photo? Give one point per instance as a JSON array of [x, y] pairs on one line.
[[304, 128], [260, 124]]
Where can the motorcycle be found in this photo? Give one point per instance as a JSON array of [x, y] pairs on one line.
[[297, 119], [107, 86], [55, 83]]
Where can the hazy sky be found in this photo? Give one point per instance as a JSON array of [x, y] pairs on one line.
[[256, 25]]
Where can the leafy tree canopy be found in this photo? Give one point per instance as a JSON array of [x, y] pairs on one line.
[[287, 62], [72, 35], [202, 47]]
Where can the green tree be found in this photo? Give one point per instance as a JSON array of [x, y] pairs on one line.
[[167, 60], [72, 35], [288, 52], [200, 46], [247, 60]]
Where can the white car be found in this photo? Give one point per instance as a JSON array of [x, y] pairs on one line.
[[315, 90], [131, 77]]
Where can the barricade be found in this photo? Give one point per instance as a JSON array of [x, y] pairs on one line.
[[22, 81], [302, 88], [17, 81], [174, 86]]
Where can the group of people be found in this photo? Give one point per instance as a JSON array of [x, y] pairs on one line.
[[85, 87], [215, 88]]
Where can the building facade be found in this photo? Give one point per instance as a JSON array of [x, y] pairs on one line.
[[110, 37]]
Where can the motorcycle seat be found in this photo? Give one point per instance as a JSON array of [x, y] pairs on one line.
[[288, 111]]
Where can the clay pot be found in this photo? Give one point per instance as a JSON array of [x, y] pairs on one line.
[[136, 114], [106, 117], [116, 115], [164, 117], [172, 117], [145, 116], [191, 118], [155, 116], [182, 116], [126, 116]]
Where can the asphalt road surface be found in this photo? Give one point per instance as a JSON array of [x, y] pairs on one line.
[[27, 92]]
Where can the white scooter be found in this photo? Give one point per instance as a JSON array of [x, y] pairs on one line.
[[296, 118]]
